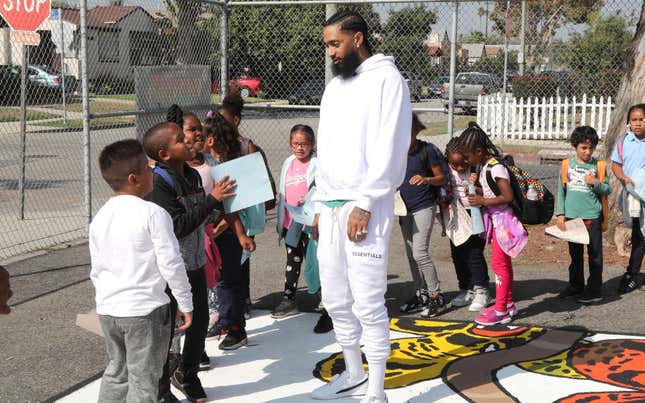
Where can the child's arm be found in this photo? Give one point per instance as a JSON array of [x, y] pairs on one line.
[[505, 195], [599, 188], [235, 223], [169, 260], [437, 178], [617, 169], [559, 205]]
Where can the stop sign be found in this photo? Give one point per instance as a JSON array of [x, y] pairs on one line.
[[25, 15]]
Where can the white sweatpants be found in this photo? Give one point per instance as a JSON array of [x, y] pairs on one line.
[[353, 278]]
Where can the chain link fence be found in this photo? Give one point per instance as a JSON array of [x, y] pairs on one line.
[[527, 71]]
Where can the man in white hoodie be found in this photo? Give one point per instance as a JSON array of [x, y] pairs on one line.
[[363, 140]]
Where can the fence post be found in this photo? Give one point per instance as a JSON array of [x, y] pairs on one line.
[[609, 113], [543, 122], [536, 117], [513, 116], [583, 111], [558, 113], [87, 163], [601, 109], [23, 132], [521, 119], [453, 68], [592, 121], [566, 116], [573, 113], [223, 46]]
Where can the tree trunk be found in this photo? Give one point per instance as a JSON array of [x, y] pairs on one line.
[[186, 26], [631, 91]]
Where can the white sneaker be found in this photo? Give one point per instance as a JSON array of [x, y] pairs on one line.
[[373, 399], [464, 298], [480, 301], [340, 386]]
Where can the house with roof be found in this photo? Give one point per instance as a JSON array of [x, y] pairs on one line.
[[473, 52], [119, 38]]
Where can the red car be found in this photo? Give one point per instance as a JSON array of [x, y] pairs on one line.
[[247, 86]]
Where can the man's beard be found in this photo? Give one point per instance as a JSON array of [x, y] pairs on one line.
[[347, 66]]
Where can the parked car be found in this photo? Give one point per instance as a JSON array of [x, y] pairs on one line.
[[50, 79], [434, 89], [247, 85], [468, 87], [309, 93], [415, 84], [9, 85]]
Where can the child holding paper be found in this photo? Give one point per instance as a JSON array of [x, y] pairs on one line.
[[579, 196], [627, 157], [297, 181]]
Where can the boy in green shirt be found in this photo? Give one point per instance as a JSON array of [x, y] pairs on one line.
[[580, 197]]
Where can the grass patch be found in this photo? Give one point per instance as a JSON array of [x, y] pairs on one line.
[[215, 99], [441, 128], [124, 97], [95, 107], [94, 123], [13, 115]]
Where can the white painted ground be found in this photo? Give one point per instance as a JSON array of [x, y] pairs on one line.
[[278, 363]]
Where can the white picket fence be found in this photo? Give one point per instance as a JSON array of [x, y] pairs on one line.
[[503, 116]]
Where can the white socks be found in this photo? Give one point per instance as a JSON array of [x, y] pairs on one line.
[[376, 381], [354, 363]]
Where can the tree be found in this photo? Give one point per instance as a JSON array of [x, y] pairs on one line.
[[630, 92], [495, 65], [542, 22], [481, 12], [595, 56], [404, 35], [474, 37]]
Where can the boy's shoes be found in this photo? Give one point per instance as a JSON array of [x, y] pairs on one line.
[[374, 399], [481, 299], [341, 386], [464, 298], [168, 397], [188, 383], [629, 283], [416, 302], [286, 308], [570, 291], [435, 305], [204, 362], [216, 331], [490, 317], [235, 338], [324, 323], [588, 297]]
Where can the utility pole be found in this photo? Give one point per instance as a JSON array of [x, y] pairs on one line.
[[521, 58]]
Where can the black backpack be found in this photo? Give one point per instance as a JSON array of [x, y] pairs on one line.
[[530, 212]]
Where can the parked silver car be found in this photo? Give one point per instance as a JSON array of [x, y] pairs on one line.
[[415, 84], [50, 79], [468, 87]]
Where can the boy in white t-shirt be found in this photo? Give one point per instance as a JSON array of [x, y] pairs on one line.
[[134, 254]]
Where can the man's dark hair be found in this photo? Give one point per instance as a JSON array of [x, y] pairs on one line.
[[353, 22], [583, 134], [120, 159], [156, 139]]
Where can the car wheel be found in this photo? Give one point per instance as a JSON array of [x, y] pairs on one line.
[[245, 92]]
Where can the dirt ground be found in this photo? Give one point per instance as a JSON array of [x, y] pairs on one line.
[[543, 249]]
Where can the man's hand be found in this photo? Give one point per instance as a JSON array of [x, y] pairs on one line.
[[247, 243], [187, 317], [314, 227], [224, 189], [5, 291], [560, 223], [418, 180], [357, 224]]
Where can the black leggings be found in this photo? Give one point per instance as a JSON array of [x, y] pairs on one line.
[[231, 285], [295, 256], [470, 263], [638, 248]]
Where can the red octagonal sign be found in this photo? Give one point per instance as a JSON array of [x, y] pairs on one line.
[[25, 15]]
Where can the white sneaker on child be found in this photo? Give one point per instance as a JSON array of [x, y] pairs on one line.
[[464, 298], [341, 386], [374, 399], [481, 299]]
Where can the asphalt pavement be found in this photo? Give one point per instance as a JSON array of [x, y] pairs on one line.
[[45, 354]]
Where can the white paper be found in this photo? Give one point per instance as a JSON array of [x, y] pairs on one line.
[[253, 185], [576, 231]]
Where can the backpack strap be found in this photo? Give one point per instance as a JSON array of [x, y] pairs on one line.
[[604, 200], [489, 177], [164, 175], [564, 171], [619, 145]]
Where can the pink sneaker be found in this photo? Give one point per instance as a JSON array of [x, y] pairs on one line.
[[510, 308], [491, 317]]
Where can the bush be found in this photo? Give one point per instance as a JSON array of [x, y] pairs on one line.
[[534, 86], [109, 85]]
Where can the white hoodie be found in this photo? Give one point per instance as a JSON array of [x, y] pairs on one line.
[[364, 134]]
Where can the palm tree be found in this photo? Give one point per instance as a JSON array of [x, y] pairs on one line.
[[481, 12]]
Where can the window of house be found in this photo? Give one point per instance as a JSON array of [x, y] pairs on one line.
[[144, 48], [108, 46]]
